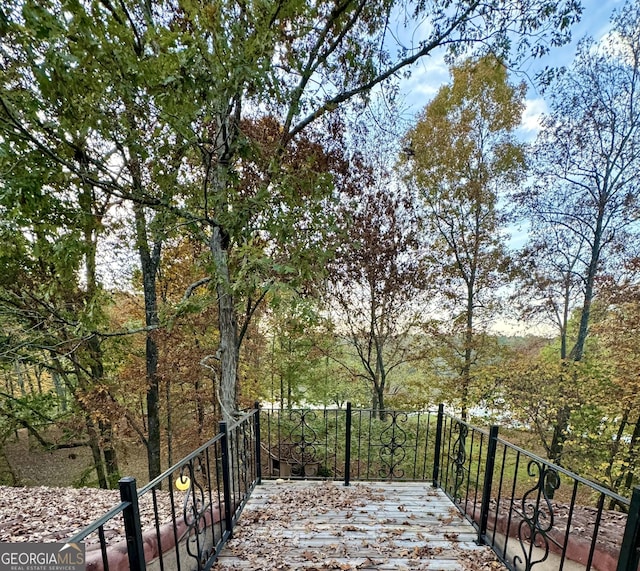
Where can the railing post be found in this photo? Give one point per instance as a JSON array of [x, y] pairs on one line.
[[488, 483], [132, 528], [628, 559], [226, 478], [436, 453], [347, 447], [256, 428]]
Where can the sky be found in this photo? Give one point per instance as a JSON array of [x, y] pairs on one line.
[[430, 73]]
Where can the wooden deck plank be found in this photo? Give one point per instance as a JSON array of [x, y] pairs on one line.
[[377, 525]]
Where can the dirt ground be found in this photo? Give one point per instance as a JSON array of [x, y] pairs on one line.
[[25, 463]]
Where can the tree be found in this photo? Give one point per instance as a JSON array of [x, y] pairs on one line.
[[292, 361], [463, 154], [549, 279], [585, 199], [199, 68], [376, 286], [50, 297], [618, 332]]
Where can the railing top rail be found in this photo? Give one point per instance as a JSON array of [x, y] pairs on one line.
[[241, 419], [167, 473], [473, 427], [344, 409], [114, 511], [561, 470]]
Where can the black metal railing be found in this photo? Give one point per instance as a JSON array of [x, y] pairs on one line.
[[533, 514], [348, 444], [194, 507], [528, 510]]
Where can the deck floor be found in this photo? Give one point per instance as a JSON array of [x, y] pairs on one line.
[[374, 525]]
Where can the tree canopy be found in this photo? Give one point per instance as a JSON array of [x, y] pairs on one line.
[[463, 156], [271, 245]]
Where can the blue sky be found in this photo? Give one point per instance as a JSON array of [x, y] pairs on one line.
[[430, 73]]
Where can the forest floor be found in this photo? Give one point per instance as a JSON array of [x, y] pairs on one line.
[[49, 495], [25, 463], [48, 514]]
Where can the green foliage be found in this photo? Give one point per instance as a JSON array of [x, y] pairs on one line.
[[36, 411], [110, 104], [464, 155]]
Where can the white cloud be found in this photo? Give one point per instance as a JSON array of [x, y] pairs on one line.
[[427, 76], [533, 111]]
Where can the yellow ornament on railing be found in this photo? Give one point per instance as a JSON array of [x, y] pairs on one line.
[[183, 483]]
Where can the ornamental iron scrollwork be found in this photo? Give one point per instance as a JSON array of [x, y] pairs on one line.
[[392, 446], [536, 511], [243, 456], [194, 509], [304, 439], [459, 458]]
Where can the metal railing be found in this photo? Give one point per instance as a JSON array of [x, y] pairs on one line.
[[348, 444], [528, 510], [533, 514], [195, 505]]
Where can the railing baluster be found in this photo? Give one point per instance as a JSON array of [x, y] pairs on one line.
[[347, 447], [596, 527], [488, 483], [156, 524], [103, 548], [226, 478], [436, 453], [511, 503], [499, 498], [258, 444], [629, 555]]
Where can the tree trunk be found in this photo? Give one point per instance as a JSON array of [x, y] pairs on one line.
[[96, 453], [105, 426], [110, 455], [281, 390], [583, 330], [94, 439], [61, 393], [468, 354], [94, 350], [18, 370], [630, 460], [153, 408], [624, 421], [379, 382], [149, 261], [577, 352], [382, 413], [199, 408], [169, 423], [228, 325], [559, 435]]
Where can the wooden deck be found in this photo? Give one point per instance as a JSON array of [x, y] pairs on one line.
[[374, 525]]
